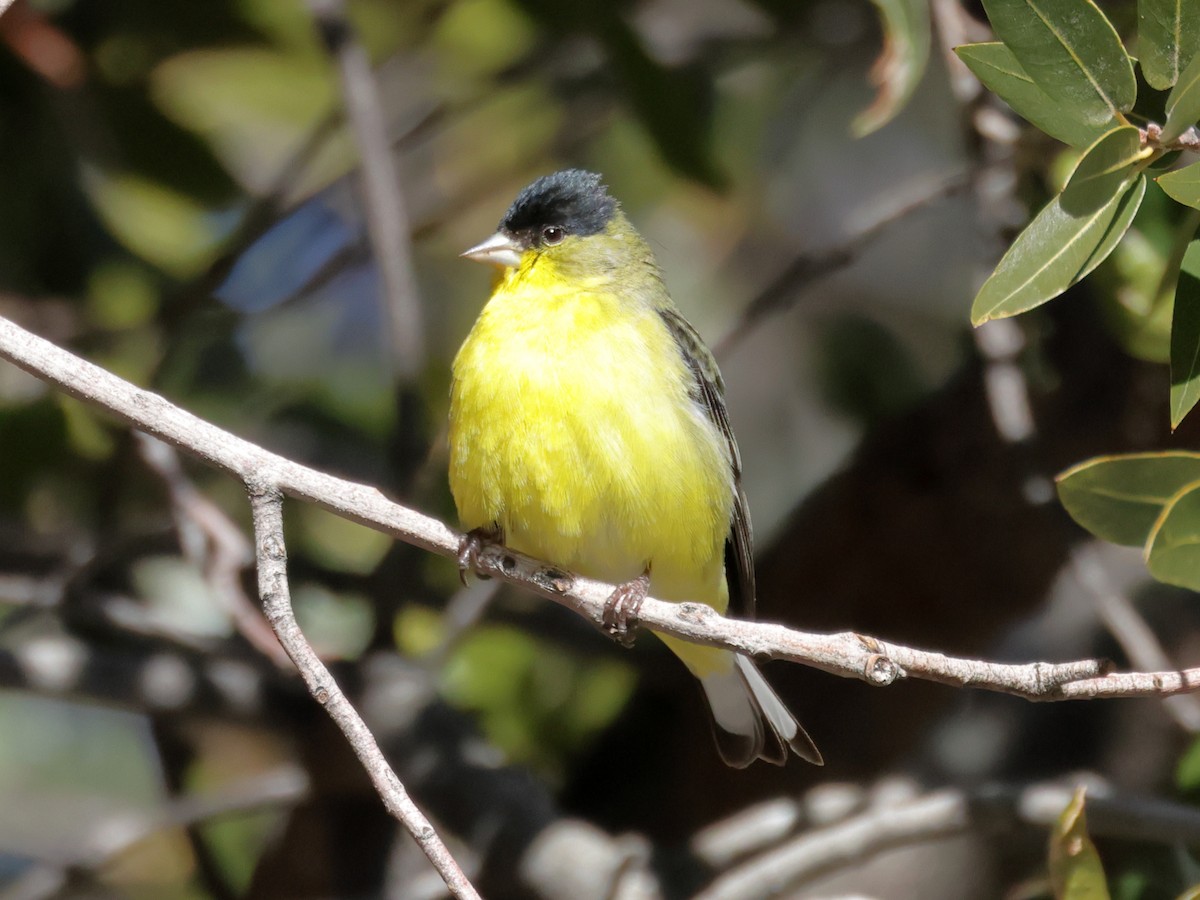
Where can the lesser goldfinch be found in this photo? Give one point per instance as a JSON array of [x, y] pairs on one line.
[[588, 429]]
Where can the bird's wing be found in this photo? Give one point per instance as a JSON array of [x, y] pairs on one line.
[[708, 390]]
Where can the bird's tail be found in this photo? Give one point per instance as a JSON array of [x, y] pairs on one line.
[[749, 720]]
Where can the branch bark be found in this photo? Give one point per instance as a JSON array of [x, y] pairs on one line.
[[268, 476], [266, 504], [846, 654], [383, 201]]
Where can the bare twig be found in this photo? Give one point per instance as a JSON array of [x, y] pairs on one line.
[[221, 550], [266, 504], [846, 654], [1131, 631], [806, 269], [386, 213]]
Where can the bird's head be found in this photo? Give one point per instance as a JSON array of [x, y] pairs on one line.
[[567, 220]]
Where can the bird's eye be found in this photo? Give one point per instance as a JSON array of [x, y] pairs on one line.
[[553, 234]]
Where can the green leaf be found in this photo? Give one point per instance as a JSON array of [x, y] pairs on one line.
[[1173, 550], [1075, 869], [157, 223], [1071, 51], [1185, 337], [1168, 37], [898, 70], [1183, 185], [996, 67], [254, 105], [1073, 233], [1183, 103], [338, 544], [1126, 210], [1137, 302], [1187, 770], [1119, 498]]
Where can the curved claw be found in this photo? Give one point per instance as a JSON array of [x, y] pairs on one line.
[[470, 547], [622, 608]]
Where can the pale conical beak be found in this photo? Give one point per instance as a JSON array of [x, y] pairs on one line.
[[499, 250]]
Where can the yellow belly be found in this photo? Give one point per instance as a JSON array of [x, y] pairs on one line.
[[571, 426]]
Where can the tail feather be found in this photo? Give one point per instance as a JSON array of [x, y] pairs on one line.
[[750, 721]]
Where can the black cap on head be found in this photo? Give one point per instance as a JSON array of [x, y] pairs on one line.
[[574, 200]]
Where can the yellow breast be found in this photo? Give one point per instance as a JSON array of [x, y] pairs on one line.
[[572, 427]]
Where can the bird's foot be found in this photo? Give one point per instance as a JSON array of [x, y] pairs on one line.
[[469, 548], [622, 607]]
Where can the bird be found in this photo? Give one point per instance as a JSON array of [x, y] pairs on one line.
[[588, 429]]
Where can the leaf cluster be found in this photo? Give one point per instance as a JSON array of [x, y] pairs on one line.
[[1062, 65]]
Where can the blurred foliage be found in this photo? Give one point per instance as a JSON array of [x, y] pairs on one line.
[[1075, 869]]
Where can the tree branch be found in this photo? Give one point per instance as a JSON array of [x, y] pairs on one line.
[[215, 543], [383, 202], [846, 654], [266, 504], [269, 476]]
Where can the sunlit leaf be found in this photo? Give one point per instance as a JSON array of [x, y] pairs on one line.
[[1068, 238], [482, 37], [1183, 103], [1185, 337], [898, 70], [1173, 550], [1075, 869], [418, 630], [1071, 51], [1168, 37], [121, 295], [1183, 185], [533, 699], [337, 543], [87, 435], [254, 105], [160, 225], [1119, 498], [996, 67], [1126, 210]]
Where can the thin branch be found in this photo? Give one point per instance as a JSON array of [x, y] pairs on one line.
[[1131, 631], [386, 213], [266, 503], [846, 654], [806, 269], [221, 550]]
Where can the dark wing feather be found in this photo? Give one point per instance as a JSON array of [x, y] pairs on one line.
[[708, 390]]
